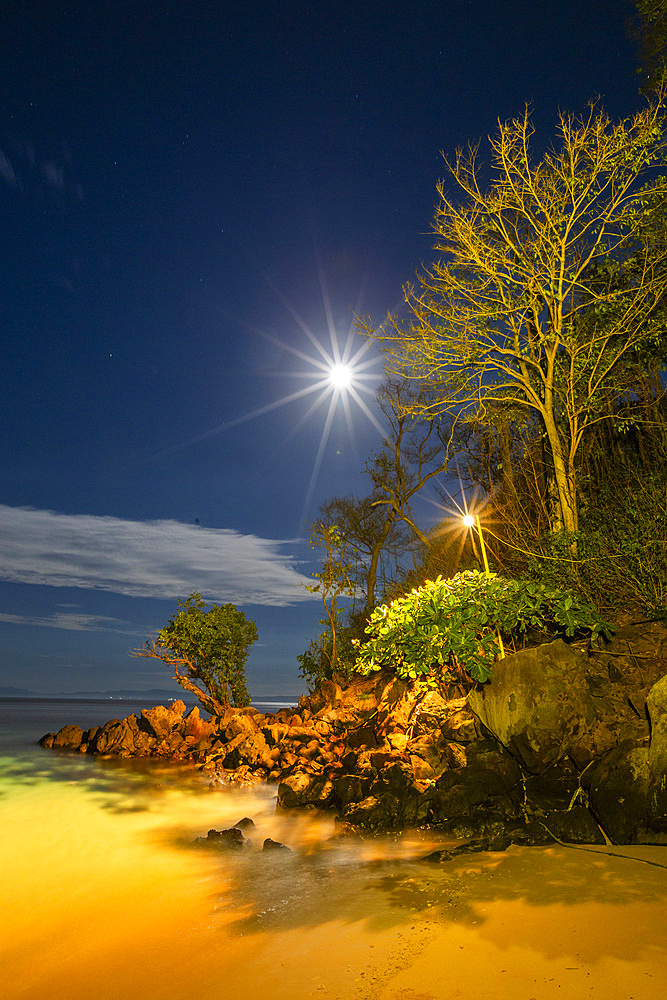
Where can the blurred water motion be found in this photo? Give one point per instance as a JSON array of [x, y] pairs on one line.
[[104, 892]]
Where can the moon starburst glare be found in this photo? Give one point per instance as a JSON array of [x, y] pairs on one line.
[[340, 376]]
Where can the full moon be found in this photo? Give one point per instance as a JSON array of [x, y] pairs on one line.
[[340, 376]]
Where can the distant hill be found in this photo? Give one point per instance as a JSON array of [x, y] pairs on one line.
[[151, 696]]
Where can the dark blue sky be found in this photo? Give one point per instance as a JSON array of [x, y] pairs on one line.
[[193, 195]]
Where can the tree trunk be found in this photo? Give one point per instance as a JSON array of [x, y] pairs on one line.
[[371, 575], [564, 476], [211, 704]]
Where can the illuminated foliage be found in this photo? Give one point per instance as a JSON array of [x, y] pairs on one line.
[[210, 647], [550, 283], [448, 628]]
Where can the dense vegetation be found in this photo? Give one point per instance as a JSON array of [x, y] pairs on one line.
[[526, 370], [451, 628], [210, 647]]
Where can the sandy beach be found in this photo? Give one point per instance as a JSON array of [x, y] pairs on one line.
[[103, 894]]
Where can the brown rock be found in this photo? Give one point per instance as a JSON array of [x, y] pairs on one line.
[[480, 798], [455, 755], [246, 749], [301, 789], [240, 724], [537, 704], [421, 769], [68, 738], [398, 741], [158, 721], [224, 840], [122, 737]]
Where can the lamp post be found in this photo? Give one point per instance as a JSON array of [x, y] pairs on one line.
[[471, 521]]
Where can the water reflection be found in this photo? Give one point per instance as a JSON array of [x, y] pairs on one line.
[[108, 893]]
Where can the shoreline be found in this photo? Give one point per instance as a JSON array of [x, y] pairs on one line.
[[108, 895]]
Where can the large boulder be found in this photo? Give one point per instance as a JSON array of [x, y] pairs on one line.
[[538, 704], [248, 748], [617, 787], [122, 737], [240, 724], [327, 695], [67, 738], [480, 798], [305, 789], [160, 721]]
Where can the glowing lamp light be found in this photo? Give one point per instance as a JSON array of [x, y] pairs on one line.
[[474, 522], [340, 376]]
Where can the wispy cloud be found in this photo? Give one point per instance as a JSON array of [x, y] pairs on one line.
[[159, 559], [71, 621]]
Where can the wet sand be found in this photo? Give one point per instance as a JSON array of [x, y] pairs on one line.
[[103, 895]]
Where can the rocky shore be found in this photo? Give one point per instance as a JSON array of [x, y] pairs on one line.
[[565, 743]]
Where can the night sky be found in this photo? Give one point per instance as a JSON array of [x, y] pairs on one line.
[[196, 197]]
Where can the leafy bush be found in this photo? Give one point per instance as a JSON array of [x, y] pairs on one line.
[[449, 628], [212, 646]]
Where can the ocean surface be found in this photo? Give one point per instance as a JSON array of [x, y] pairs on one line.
[[104, 894], [102, 891]]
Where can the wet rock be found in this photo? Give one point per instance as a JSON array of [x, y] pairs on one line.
[[305, 789], [245, 824], [395, 800], [485, 794], [122, 737], [383, 811], [472, 847], [273, 846], [223, 840], [617, 787], [67, 738], [350, 788]]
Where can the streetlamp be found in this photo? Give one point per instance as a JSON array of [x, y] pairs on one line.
[[472, 521]]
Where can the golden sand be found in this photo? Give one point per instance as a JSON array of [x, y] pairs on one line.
[[104, 896]]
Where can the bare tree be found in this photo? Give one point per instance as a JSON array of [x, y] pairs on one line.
[[549, 284]]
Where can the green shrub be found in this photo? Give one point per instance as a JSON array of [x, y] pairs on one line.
[[211, 645], [449, 628]]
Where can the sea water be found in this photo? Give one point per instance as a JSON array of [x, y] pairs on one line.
[[104, 893]]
